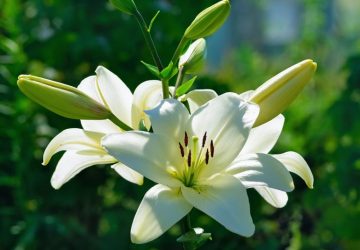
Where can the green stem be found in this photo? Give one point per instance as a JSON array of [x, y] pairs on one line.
[[150, 43], [179, 80], [122, 125], [186, 227], [179, 49]]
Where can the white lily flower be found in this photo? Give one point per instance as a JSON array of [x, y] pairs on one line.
[[194, 160], [82, 146]]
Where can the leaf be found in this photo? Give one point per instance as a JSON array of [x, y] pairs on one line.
[[185, 87], [194, 238], [169, 72], [153, 69], [152, 21]]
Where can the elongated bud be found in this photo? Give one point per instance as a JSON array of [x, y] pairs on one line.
[[126, 6], [62, 99], [208, 21], [276, 94], [194, 58]]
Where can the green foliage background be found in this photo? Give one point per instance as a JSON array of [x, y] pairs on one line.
[[65, 40]]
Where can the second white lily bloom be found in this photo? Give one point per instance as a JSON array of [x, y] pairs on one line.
[[194, 160]]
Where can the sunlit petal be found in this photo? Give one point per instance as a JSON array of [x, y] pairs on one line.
[[261, 170], [169, 118], [72, 139], [72, 162], [128, 174], [146, 96], [227, 120], [199, 97], [115, 94], [274, 197], [224, 199], [295, 163], [160, 209], [263, 138], [149, 154]]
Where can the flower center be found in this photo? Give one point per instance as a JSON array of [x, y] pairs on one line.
[[195, 157]]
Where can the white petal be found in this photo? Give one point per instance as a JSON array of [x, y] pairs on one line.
[[146, 96], [160, 209], [263, 138], [149, 154], [89, 86], [274, 197], [169, 118], [128, 174], [72, 162], [199, 97], [115, 94], [72, 139], [295, 163], [261, 170], [227, 121], [246, 95], [225, 200]]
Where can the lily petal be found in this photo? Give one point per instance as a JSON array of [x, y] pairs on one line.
[[246, 95], [89, 87], [128, 174], [274, 197], [72, 139], [115, 94], [227, 120], [149, 154], [146, 96], [73, 162], [261, 170], [263, 138], [199, 97], [169, 118], [160, 209], [295, 163], [226, 201]]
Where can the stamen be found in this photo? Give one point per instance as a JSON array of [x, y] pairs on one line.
[[212, 148], [204, 140], [186, 139], [189, 159], [181, 150], [207, 156]]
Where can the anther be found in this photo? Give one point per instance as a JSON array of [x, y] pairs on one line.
[[212, 148], [186, 139], [207, 156], [204, 140], [181, 150], [189, 158]]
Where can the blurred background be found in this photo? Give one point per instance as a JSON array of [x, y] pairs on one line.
[[66, 39]]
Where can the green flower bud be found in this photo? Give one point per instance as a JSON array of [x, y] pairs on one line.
[[62, 99], [276, 94], [208, 21], [194, 58], [126, 6]]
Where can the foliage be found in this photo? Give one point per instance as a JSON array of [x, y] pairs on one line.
[[65, 41]]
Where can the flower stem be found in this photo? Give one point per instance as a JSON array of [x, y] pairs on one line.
[[179, 80], [179, 49], [186, 227], [150, 43], [121, 124]]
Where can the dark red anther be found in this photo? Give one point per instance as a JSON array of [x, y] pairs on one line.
[[181, 150], [204, 140], [189, 158], [186, 139], [207, 156], [212, 149]]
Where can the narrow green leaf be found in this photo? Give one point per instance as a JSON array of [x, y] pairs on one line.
[[185, 87], [153, 69], [152, 21]]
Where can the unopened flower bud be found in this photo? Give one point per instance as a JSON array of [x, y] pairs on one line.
[[276, 94], [208, 21], [194, 58], [62, 99], [126, 6]]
